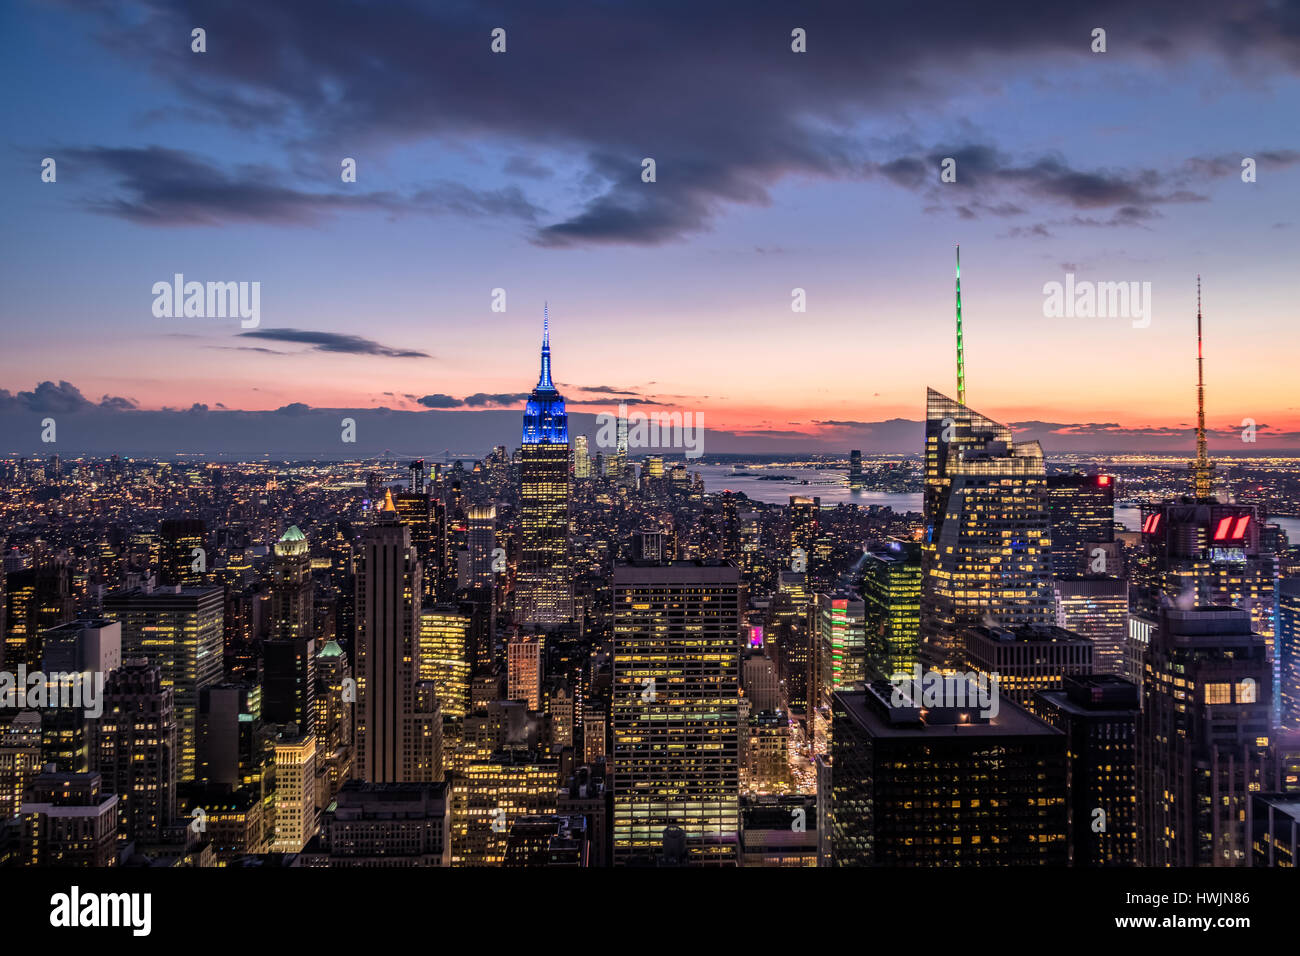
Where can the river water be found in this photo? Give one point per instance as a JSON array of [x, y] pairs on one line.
[[832, 488]]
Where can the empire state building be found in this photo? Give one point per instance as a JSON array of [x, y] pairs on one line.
[[544, 592]]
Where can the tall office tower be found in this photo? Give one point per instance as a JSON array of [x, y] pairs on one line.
[[388, 596], [20, 760], [386, 824], [1288, 649], [1096, 607], [295, 791], [333, 719], [1081, 509], [891, 595], [791, 611], [840, 653], [233, 743], [36, 599], [1202, 737], [654, 466], [491, 794], [620, 439], [543, 589], [803, 515], [1098, 715], [90, 644], [446, 655], [182, 552], [730, 542], [68, 821], [1205, 553], [135, 749], [291, 587], [424, 515], [415, 483], [1026, 659], [482, 545], [581, 458], [289, 682], [986, 555], [181, 632], [855, 470], [677, 641], [524, 669], [944, 786]]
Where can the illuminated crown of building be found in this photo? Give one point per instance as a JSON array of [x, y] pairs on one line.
[[545, 420]]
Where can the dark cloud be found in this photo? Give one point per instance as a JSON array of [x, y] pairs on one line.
[[440, 401], [712, 92], [50, 398], [484, 399], [168, 187], [333, 342]]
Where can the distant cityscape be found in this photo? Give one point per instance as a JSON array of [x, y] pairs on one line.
[[572, 655]]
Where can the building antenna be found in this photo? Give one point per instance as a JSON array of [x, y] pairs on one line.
[[1202, 467], [961, 344]]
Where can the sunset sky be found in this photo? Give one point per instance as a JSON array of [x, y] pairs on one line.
[[775, 170]]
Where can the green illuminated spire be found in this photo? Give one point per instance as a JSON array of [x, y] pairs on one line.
[[961, 345]]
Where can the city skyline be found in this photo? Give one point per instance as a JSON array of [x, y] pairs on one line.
[[1123, 166]]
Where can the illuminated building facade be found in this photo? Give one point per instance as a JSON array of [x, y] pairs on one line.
[[938, 787], [1096, 608], [291, 587], [445, 633], [1203, 737], [1026, 659], [135, 750], [1098, 715], [388, 596], [1288, 649], [295, 792], [180, 630], [544, 591], [1081, 509], [891, 596], [677, 642], [986, 553]]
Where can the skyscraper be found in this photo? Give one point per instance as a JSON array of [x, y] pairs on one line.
[[291, 587], [675, 715], [987, 529], [482, 545], [389, 583], [581, 458], [891, 593], [944, 786], [135, 749], [1098, 714], [180, 630], [183, 554], [524, 669], [1203, 737], [544, 591], [1288, 649], [1081, 509], [855, 470]]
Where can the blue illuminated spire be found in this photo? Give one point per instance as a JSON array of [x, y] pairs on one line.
[[545, 419], [545, 380]]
